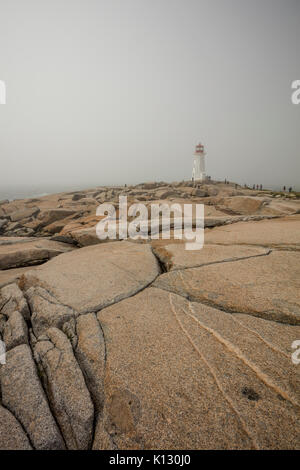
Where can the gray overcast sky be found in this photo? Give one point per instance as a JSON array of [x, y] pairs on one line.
[[115, 91]]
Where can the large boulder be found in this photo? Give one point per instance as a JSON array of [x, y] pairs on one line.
[[165, 193], [282, 208], [78, 196], [48, 216], [242, 204], [85, 236], [57, 226], [23, 214], [149, 185], [96, 276], [30, 252], [199, 192]]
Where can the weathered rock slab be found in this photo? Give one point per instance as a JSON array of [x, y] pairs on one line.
[[96, 276], [242, 204], [12, 436], [66, 389], [12, 299], [282, 233], [9, 276], [175, 256], [90, 354], [46, 312], [48, 216], [85, 236], [182, 375], [23, 214], [30, 252], [24, 396], [265, 286], [15, 331]]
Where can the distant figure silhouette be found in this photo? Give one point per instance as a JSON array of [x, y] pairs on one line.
[[290, 189], [284, 188], [261, 187], [257, 186], [253, 186]]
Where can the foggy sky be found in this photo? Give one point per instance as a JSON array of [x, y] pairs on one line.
[[120, 91]]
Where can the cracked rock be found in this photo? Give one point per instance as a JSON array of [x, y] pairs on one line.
[[12, 299], [24, 396], [281, 233], [264, 286], [12, 436], [90, 354], [23, 214], [93, 277], [181, 374], [30, 252], [10, 276], [66, 389], [15, 331], [175, 256], [3, 319], [46, 311]]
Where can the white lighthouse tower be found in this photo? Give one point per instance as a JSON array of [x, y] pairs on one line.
[[199, 164]]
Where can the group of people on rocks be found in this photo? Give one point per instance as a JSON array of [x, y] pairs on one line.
[[260, 187]]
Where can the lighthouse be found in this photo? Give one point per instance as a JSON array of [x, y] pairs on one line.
[[199, 164]]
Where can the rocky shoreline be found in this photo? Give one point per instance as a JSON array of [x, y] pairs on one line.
[[127, 345]]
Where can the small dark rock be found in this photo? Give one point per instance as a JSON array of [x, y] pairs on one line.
[[250, 394]]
